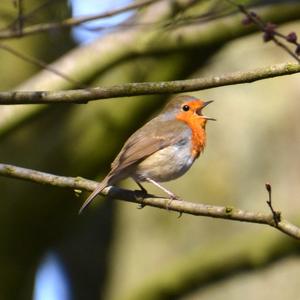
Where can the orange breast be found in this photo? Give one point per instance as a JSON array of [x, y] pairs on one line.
[[197, 125], [198, 139]]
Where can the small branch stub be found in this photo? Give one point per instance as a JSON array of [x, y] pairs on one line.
[[276, 214]]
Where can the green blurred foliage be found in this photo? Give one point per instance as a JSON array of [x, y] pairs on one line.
[[114, 251]]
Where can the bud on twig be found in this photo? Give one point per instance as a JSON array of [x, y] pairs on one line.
[[268, 187], [247, 21], [291, 37], [269, 32]]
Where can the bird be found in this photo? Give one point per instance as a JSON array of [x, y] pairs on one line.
[[161, 150]]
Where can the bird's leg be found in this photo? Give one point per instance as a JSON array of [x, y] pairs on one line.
[[140, 186], [171, 195], [143, 190]]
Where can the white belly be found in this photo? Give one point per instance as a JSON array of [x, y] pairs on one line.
[[166, 164]]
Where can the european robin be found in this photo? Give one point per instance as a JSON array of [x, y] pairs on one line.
[[163, 149]]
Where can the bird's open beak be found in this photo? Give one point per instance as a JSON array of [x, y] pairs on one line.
[[208, 102], [205, 117]]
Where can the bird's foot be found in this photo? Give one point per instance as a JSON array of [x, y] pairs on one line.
[[174, 197], [140, 196], [140, 206], [171, 198]]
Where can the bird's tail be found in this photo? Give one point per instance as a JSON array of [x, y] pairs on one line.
[[102, 185]]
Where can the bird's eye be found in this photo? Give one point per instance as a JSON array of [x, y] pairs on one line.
[[185, 108]]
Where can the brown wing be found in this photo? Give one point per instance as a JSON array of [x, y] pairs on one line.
[[153, 136]]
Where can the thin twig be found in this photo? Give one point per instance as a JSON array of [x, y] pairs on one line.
[[20, 19], [28, 15], [146, 88], [191, 208], [70, 22], [264, 28], [285, 48], [39, 63]]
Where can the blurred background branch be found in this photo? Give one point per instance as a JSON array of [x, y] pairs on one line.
[[39, 63], [203, 266]]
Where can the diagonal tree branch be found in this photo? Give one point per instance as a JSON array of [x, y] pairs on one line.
[[196, 209], [39, 63], [146, 88]]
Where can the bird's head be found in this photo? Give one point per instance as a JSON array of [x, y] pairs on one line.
[[187, 109]]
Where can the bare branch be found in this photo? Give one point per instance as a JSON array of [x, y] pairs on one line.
[[114, 48], [146, 88], [196, 209]]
